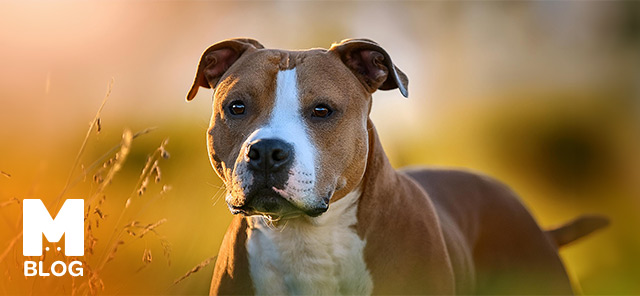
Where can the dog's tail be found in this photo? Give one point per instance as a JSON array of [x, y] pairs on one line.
[[576, 229]]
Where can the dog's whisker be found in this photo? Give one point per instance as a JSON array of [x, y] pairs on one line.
[[217, 196], [215, 185]]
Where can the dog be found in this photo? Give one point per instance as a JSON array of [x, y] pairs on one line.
[[318, 207]]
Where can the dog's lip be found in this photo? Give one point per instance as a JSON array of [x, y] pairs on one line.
[[288, 209], [237, 210], [266, 202], [317, 211]]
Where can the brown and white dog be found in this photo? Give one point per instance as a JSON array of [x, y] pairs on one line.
[[319, 209]]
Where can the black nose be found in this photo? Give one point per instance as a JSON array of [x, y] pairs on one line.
[[268, 155]]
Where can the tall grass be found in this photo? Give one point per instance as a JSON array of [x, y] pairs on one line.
[[100, 249]]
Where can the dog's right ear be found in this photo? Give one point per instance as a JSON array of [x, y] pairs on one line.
[[217, 59]]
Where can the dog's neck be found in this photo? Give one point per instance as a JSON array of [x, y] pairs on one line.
[[322, 255], [378, 183]]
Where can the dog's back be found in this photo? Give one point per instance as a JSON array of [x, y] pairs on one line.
[[495, 245]]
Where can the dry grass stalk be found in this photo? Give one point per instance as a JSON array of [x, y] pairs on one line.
[[195, 269], [90, 242], [103, 173], [146, 256], [114, 164], [99, 212], [73, 168], [114, 250], [151, 227], [13, 200], [165, 189], [156, 171], [10, 246], [125, 148], [166, 250], [95, 284], [110, 160], [151, 168], [98, 126], [84, 144]]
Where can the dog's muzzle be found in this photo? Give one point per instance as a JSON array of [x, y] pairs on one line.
[[269, 162]]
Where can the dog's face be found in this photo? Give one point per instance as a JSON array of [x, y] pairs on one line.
[[288, 131]]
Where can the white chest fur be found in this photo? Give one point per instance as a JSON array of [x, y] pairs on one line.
[[322, 255]]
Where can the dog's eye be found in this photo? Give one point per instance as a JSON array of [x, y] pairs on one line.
[[321, 111], [236, 108]]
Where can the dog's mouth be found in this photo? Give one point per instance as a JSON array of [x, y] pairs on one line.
[[273, 206]]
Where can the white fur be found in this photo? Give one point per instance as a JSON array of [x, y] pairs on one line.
[[286, 123], [310, 256]]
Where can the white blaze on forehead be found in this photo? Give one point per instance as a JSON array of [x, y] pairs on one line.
[[287, 123]]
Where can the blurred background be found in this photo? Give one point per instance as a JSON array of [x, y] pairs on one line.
[[544, 96]]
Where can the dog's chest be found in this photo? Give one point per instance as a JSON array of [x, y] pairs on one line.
[[321, 255]]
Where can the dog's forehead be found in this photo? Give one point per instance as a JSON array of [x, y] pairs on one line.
[[319, 73], [271, 60]]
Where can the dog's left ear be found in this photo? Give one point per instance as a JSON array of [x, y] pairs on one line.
[[217, 59], [372, 65]]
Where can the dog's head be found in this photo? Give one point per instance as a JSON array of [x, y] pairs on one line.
[[288, 134]]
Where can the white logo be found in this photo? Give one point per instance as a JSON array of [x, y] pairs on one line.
[[37, 221]]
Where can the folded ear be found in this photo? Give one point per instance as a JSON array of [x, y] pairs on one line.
[[217, 59], [371, 64]]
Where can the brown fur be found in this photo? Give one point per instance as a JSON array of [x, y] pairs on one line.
[[491, 236], [405, 251], [427, 231], [231, 273]]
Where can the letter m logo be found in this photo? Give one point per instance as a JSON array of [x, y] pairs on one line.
[[37, 221]]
